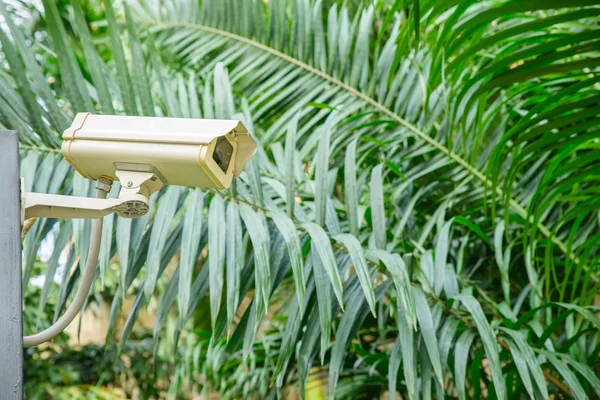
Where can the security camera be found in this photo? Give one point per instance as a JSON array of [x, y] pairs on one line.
[[143, 153], [180, 151]]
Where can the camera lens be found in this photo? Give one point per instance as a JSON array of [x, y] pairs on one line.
[[222, 153]]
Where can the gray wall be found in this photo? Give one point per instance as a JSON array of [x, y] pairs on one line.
[[11, 315]]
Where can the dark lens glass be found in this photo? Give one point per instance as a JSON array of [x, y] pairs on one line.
[[222, 153]]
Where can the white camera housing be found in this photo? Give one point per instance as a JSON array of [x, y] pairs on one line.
[[186, 152], [144, 153]]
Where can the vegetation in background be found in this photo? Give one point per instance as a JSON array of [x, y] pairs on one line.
[[422, 216]]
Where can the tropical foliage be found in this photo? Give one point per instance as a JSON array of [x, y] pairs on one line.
[[422, 216]]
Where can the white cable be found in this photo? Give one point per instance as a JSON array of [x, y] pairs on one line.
[[84, 288]]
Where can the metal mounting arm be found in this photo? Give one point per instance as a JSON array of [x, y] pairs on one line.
[[57, 206], [132, 201]]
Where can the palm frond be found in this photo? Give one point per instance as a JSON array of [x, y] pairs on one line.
[[414, 145]]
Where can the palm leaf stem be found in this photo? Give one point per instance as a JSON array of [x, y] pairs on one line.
[[38, 148]]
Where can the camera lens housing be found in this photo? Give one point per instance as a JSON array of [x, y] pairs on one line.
[[181, 151]]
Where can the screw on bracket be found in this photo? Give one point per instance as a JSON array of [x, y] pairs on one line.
[[104, 184]]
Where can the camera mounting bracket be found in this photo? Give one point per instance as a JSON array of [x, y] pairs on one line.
[[136, 188]]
